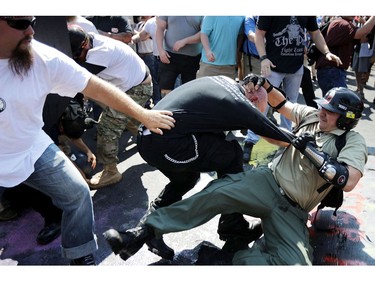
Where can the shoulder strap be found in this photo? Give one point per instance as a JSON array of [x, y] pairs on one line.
[[339, 143], [335, 195], [324, 28]]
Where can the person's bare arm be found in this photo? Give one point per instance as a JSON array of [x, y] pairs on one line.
[[265, 63], [321, 44], [365, 29], [106, 93], [207, 48], [80, 144], [125, 37], [161, 26], [140, 36], [258, 96], [353, 179], [260, 42], [196, 38]]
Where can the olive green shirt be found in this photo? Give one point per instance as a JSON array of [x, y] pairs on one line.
[[296, 174]]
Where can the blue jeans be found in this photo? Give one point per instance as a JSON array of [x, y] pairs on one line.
[[291, 83], [330, 77], [153, 64], [56, 176], [251, 137]]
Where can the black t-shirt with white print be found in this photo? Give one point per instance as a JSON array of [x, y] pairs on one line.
[[285, 40], [214, 104]]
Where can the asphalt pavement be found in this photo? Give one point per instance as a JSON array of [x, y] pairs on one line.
[[123, 204]]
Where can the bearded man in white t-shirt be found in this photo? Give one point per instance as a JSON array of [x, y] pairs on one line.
[[29, 71]]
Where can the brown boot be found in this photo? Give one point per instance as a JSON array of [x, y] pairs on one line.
[[109, 175]]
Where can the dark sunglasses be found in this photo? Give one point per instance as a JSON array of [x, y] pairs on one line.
[[21, 24]]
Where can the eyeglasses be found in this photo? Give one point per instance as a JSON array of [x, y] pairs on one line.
[[20, 24]]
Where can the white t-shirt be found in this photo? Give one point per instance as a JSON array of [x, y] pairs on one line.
[[150, 28], [85, 24], [124, 68], [22, 140], [145, 46]]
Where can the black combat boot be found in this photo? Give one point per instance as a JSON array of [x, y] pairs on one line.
[[239, 242], [157, 246], [127, 243]]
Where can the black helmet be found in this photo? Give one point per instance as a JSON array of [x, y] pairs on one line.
[[77, 38], [344, 102]]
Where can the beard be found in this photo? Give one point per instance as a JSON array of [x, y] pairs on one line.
[[21, 60]]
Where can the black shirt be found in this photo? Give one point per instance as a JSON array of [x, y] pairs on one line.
[[214, 104], [113, 24], [285, 40]]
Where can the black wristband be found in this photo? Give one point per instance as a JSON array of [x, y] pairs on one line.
[[262, 58], [269, 89], [280, 105]]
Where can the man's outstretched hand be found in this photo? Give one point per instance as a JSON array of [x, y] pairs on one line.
[[156, 120]]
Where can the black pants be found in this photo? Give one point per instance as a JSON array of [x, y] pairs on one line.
[[182, 158], [308, 88], [185, 65]]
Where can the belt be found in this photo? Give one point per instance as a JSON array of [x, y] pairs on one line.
[[291, 202], [144, 54]]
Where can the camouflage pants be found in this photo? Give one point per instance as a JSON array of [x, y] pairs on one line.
[[112, 123]]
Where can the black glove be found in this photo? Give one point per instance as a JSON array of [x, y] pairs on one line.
[[301, 141], [255, 79], [334, 172]]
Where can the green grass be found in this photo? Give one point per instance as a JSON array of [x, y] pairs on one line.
[[262, 153]]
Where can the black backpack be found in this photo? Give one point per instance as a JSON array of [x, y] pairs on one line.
[[335, 197]]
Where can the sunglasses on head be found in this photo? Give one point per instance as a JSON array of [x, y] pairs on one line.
[[20, 24]]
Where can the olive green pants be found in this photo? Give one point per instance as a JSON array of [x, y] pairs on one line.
[[254, 193]]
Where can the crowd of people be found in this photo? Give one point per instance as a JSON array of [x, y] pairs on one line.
[[180, 85]]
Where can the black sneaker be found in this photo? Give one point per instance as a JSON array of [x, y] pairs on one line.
[[127, 243], [85, 260]]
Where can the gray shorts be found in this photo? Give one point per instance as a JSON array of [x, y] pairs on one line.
[[362, 64]]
